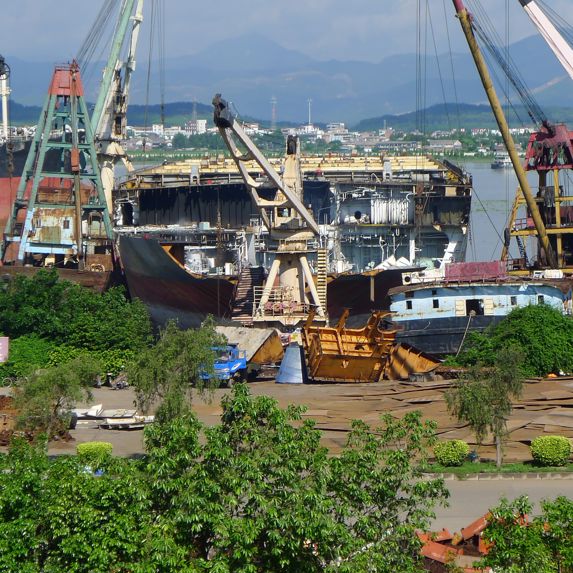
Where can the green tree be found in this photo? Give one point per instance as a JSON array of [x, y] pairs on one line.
[[27, 353], [67, 313], [543, 332], [180, 141], [543, 544], [258, 493], [168, 371], [517, 545], [557, 531], [56, 516], [483, 398], [45, 398], [21, 487]]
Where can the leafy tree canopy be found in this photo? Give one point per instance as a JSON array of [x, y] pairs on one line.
[[27, 353], [256, 493], [521, 545], [543, 333], [56, 516], [45, 398], [67, 313], [483, 397], [168, 371]]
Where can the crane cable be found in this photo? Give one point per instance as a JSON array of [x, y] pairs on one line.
[[156, 33], [486, 32], [96, 44], [560, 23], [95, 34]]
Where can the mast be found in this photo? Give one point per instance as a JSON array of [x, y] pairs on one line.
[[465, 21], [4, 93]]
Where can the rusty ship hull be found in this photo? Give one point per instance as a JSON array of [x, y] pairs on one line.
[[413, 211]]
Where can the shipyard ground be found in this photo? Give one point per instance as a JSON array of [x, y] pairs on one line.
[[546, 407]]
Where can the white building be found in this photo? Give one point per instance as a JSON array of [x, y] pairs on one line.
[[196, 126]]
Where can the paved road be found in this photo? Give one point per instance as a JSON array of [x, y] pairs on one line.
[[471, 499]]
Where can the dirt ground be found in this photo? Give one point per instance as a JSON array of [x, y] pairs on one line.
[[545, 408]]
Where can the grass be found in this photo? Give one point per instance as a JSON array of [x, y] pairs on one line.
[[489, 467]]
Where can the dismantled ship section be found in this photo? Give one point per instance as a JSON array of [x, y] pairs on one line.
[[377, 217]]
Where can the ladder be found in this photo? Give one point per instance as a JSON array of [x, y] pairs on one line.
[[321, 275]]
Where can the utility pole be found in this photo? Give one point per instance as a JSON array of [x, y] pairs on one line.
[[273, 113]]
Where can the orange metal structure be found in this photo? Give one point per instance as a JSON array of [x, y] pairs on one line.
[[340, 354]]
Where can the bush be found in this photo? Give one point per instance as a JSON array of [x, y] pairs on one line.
[[94, 454], [451, 453], [550, 450], [27, 353], [544, 331]]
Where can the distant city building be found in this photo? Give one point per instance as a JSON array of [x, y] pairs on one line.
[[170, 132], [251, 128], [443, 145], [196, 126], [336, 132]]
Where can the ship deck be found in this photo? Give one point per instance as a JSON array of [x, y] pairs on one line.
[[332, 167]]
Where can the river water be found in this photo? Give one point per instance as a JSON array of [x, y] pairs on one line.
[[494, 192]]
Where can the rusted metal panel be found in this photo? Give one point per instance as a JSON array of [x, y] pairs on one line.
[[339, 354], [406, 360], [262, 345], [100, 263], [66, 81], [53, 226], [487, 270]]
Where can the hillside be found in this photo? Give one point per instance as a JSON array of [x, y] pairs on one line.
[[250, 70]]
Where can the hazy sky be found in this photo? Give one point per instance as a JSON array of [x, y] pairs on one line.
[[53, 30]]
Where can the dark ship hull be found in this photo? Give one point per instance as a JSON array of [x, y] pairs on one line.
[[400, 221], [13, 157], [167, 289], [170, 292]]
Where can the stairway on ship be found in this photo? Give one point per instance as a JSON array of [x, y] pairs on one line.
[[321, 276], [249, 278]]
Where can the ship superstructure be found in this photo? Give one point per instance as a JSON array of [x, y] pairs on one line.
[[370, 210], [376, 217]]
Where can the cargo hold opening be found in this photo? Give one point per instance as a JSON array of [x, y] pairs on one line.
[[475, 306]]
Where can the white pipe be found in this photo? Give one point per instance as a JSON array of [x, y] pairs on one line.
[[554, 39]]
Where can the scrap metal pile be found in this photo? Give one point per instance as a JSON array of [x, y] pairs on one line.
[[367, 354], [545, 408]]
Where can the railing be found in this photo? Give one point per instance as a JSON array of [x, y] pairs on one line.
[[279, 303]]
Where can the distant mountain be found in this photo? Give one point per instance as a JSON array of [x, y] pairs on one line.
[[250, 70], [451, 115]]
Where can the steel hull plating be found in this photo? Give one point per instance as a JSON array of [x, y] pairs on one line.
[[441, 336], [168, 290]]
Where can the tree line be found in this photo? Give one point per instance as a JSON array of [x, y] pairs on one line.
[[256, 492]]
